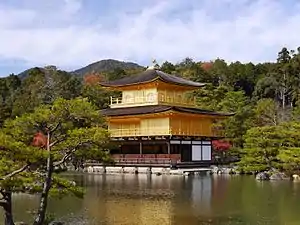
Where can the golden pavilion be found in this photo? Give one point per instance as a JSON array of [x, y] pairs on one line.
[[157, 122]]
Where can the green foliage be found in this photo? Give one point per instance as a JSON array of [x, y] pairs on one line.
[[106, 66], [74, 123], [272, 147], [97, 95], [267, 113], [236, 126], [289, 153], [261, 148], [8, 87], [68, 129], [209, 97], [43, 86]]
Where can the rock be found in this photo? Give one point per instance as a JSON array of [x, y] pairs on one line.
[[262, 176], [217, 170], [214, 169], [278, 176], [227, 170], [232, 171], [296, 177]]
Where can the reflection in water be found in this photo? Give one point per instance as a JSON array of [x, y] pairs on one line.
[[175, 200]]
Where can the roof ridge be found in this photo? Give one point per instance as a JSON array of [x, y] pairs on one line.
[[149, 76]]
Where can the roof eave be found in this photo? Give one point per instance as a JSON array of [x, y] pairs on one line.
[[146, 82]]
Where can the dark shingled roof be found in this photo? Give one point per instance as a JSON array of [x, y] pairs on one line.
[[156, 109], [151, 75]]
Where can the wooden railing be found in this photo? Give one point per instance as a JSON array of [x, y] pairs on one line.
[[158, 131], [131, 132], [155, 99], [192, 132]]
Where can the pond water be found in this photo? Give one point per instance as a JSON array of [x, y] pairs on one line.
[[173, 200]]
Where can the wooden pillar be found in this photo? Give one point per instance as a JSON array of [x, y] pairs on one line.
[[169, 147], [141, 147]]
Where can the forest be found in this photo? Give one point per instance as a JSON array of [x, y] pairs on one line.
[[265, 98]]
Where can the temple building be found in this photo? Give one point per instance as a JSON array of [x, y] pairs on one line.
[[156, 121]]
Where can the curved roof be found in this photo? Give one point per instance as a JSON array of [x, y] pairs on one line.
[[150, 75], [157, 109]]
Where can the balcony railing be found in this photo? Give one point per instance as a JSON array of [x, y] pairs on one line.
[[160, 131], [152, 100], [133, 132]]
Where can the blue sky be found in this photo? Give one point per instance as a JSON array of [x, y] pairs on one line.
[[73, 33]]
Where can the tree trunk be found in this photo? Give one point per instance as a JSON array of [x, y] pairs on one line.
[[284, 90], [7, 207], [41, 214]]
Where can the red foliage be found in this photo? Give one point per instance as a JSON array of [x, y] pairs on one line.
[[206, 65], [221, 145], [39, 140], [92, 79]]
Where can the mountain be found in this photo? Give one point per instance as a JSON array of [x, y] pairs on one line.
[[25, 73], [106, 65], [98, 67]]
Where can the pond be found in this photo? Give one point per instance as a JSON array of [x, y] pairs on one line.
[[173, 200]]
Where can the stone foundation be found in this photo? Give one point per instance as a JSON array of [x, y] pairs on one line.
[[144, 170]]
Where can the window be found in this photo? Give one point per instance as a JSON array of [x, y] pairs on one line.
[[196, 153], [206, 152], [150, 97]]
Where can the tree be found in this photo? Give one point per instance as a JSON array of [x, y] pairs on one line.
[[289, 152], [193, 71], [167, 67], [8, 88], [267, 113], [116, 74], [96, 94], [44, 86], [220, 73], [261, 148], [17, 158], [284, 76], [235, 127], [267, 87], [272, 147], [209, 97], [68, 129]]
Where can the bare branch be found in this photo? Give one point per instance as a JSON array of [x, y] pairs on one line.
[[56, 142], [66, 156], [22, 169], [69, 153]]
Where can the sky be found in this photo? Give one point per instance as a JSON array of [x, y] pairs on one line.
[[74, 33]]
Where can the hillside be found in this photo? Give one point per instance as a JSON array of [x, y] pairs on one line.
[[98, 67], [106, 65], [25, 73]]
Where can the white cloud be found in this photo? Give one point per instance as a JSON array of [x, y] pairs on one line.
[[243, 31]]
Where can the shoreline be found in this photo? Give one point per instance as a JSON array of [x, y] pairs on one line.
[[212, 170]]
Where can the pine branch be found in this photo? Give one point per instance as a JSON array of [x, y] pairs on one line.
[[65, 157], [22, 169], [55, 128], [56, 142], [69, 153]]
